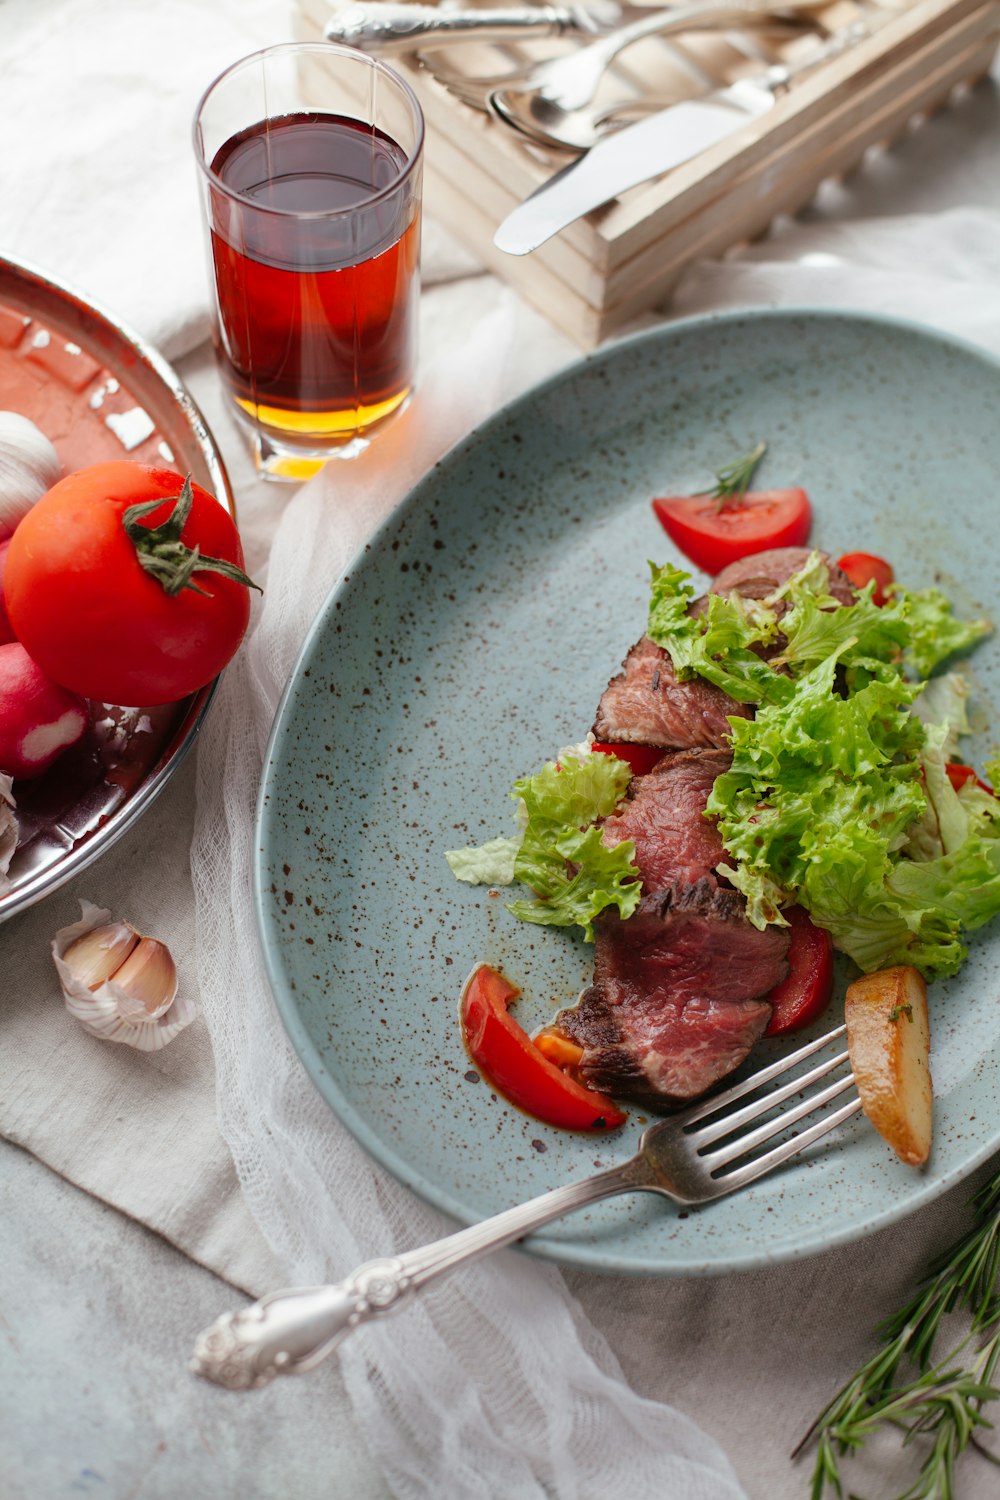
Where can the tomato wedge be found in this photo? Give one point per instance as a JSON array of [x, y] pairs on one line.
[[714, 534], [958, 775], [641, 758], [509, 1059], [805, 993], [865, 567]]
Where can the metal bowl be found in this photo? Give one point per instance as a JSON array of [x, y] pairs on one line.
[[98, 391]]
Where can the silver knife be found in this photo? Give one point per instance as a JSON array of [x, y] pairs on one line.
[[651, 147], [632, 155]]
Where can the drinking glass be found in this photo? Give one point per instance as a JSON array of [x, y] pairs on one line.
[[310, 159]]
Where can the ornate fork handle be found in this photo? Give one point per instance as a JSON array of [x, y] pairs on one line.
[[383, 26], [290, 1332]]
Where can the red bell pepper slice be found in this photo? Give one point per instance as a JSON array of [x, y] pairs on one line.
[[862, 567], [641, 758], [958, 775], [806, 992], [510, 1060]]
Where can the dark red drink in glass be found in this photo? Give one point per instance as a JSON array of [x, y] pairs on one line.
[[314, 229]]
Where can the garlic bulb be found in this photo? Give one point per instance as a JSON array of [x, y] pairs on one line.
[[117, 984], [8, 829], [29, 467]]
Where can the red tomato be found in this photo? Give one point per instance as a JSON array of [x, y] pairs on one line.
[[806, 992], [6, 633], [959, 775], [642, 758], [863, 567], [509, 1059], [713, 535], [89, 612]]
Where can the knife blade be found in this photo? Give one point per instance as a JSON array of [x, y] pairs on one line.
[[628, 157]]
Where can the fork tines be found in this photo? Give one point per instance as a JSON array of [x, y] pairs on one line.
[[740, 1143]]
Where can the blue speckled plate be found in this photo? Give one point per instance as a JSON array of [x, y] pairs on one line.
[[474, 639]]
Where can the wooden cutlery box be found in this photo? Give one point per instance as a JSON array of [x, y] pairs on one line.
[[600, 273]]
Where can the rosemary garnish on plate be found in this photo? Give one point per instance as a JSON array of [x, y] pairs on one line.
[[938, 1400], [733, 480]]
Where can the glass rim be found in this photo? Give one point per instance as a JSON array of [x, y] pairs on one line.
[[354, 55]]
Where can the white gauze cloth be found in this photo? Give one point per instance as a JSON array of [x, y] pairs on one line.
[[492, 1382]]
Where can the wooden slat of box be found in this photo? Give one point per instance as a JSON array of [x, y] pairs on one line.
[[602, 271]]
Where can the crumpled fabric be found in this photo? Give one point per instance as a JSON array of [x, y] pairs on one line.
[[492, 1382]]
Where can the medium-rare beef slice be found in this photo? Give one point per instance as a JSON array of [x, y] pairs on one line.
[[675, 1003], [665, 817], [646, 705], [760, 574]]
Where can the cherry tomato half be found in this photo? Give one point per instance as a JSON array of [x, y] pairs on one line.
[[509, 1059], [90, 614], [641, 758], [805, 993], [862, 567], [714, 536]]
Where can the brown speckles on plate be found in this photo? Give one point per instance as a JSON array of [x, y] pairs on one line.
[[539, 584]]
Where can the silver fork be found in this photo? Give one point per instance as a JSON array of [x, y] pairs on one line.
[[684, 1159]]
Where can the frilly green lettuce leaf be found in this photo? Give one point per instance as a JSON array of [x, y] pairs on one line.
[[559, 854]]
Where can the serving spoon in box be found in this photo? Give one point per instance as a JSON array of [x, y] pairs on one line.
[[702, 1153]]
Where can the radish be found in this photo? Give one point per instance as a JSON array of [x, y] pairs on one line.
[[6, 633], [38, 719]]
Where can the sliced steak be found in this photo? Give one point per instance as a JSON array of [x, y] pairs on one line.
[[665, 816], [646, 705], [675, 1004], [760, 574]]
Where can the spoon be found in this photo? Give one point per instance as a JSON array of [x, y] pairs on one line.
[[569, 129], [572, 81], [549, 123]]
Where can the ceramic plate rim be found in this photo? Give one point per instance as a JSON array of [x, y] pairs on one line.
[[430, 1191]]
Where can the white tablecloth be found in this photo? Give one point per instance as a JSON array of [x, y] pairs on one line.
[[96, 1311]]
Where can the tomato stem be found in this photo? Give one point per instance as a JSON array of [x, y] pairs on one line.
[[162, 554], [733, 480]]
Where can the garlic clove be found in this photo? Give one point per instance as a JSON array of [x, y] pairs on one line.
[[148, 980], [140, 1008], [29, 467], [8, 829], [96, 955]]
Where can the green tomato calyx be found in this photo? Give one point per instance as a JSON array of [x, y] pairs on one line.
[[161, 553]]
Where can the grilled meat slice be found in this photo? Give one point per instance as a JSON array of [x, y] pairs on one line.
[[646, 705], [675, 1003], [664, 816], [760, 574]]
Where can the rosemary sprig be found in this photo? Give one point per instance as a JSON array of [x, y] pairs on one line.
[[941, 1402], [733, 480]]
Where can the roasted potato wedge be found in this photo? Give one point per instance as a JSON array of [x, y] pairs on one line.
[[888, 1037]]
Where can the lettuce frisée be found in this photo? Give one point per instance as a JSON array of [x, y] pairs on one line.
[[837, 799], [558, 851]]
